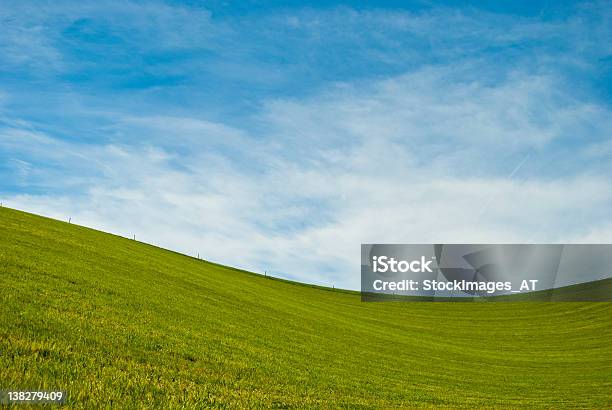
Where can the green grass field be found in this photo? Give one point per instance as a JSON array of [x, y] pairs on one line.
[[116, 322]]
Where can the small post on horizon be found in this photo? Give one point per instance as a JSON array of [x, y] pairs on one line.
[[69, 220], [265, 273], [134, 236]]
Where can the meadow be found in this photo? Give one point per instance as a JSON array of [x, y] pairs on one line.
[[116, 322]]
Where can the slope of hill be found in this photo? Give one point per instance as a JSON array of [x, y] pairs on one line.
[[115, 321]]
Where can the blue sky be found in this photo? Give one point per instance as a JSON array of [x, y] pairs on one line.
[[277, 136]]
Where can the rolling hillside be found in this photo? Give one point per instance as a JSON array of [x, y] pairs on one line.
[[115, 321]]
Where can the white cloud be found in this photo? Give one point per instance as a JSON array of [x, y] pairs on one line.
[[424, 157]]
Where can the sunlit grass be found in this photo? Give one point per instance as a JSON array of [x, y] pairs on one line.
[[117, 322]]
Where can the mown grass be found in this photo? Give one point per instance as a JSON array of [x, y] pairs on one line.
[[117, 322]]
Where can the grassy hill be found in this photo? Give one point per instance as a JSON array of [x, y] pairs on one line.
[[115, 321]]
